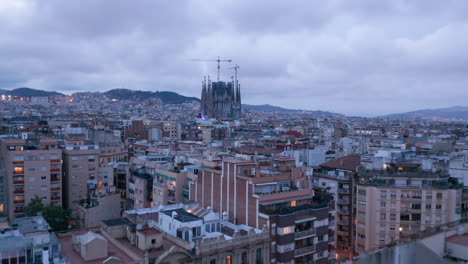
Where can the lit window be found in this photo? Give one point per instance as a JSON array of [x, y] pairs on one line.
[[293, 203]]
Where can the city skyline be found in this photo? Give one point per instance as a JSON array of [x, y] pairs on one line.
[[363, 58]]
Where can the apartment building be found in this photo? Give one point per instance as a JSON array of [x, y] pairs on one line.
[[338, 178], [401, 201], [32, 167], [272, 193], [80, 163]]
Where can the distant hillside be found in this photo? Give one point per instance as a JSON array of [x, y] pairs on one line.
[[166, 97], [28, 92], [455, 112], [272, 108]]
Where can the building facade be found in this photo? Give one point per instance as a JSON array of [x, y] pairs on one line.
[[400, 204], [32, 168]]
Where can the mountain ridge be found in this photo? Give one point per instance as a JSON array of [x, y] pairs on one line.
[[453, 112]]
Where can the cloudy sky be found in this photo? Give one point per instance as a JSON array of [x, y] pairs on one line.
[[369, 56]]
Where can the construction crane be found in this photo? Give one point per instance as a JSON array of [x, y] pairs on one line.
[[217, 60]]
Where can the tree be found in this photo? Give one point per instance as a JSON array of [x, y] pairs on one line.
[[56, 216], [34, 207]]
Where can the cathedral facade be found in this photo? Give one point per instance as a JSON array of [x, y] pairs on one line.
[[220, 100]]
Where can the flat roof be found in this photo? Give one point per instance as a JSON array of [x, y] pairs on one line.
[[182, 215]]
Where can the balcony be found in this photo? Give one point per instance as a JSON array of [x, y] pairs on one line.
[[19, 211], [18, 201], [343, 191], [18, 191], [341, 201], [55, 188], [18, 162], [343, 222], [304, 234], [55, 198], [18, 181], [342, 232], [55, 169], [54, 179], [304, 251], [343, 212], [55, 160]]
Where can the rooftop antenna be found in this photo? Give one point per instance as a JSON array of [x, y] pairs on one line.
[[218, 60]]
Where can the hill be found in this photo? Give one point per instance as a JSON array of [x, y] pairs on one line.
[[136, 95], [28, 92], [272, 108], [455, 112]]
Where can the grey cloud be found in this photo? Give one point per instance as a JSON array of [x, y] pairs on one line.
[[360, 56]]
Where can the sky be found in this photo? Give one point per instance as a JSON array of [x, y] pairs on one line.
[[354, 57]]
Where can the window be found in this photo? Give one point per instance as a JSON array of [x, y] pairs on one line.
[[438, 206], [383, 204], [213, 261], [32, 169], [285, 230], [392, 228], [438, 218], [428, 206], [428, 218], [382, 216], [393, 194], [320, 238], [362, 192], [259, 257], [392, 216], [363, 204], [383, 193], [75, 176], [293, 203], [416, 206], [31, 179], [382, 228], [43, 177], [44, 187], [153, 241], [229, 259]]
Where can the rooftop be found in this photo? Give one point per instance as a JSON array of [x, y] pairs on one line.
[[181, 215]]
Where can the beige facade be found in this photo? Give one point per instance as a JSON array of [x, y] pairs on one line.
[[80, 164], [98, 208], [32, 167], [395, 207]]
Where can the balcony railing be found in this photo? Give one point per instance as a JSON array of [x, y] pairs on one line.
[[55, 188], [18, 201], [18, 162], [304, 251], [342, 232], [343, 212], [343, 191], [55, 198], [304, 234], [55, 169], [341, 201], [54, 179], [18, 182]]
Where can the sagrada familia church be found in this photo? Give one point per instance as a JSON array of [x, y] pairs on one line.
[[220, 100]]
